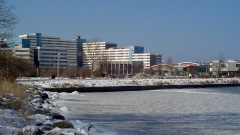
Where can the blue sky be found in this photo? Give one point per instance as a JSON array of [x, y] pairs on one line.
[[186, 30]]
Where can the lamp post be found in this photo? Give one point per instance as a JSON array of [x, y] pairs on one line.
[[143, 67], [58, 67], [37, 72], [38, 58], [162, 69]]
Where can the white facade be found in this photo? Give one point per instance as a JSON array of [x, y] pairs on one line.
[[148, 59], [117, 54], [21, 52], [223, 66], [72, 53], [95, 51]]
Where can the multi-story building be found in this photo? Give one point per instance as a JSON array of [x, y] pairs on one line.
[[148, 59], [95, 51], [47, 51], [121, 59], [20, 52], [225, 67]]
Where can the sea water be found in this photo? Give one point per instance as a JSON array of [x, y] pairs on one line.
[[211, 111]]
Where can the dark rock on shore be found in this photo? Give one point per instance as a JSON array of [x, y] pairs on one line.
[[63, 124], [56, 116]]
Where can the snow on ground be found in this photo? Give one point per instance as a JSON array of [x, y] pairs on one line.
[[11, 123], [65, 82]]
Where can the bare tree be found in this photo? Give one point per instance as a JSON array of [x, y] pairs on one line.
[[105, 60], [91, 54], [11, 67], [137, 67], [217, 64], [70, 72], [169, 61], [8, 20]]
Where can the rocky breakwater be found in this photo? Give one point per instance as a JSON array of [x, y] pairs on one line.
[[44, 120]]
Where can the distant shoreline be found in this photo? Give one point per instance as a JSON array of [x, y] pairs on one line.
[[136, 88]]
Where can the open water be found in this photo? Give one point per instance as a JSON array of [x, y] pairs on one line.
[[210, 111]]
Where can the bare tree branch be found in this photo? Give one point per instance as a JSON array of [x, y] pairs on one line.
[[8, 20], [217, 64], [169, 61], [91, 53]]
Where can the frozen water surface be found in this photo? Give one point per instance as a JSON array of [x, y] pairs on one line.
[[212, 111]]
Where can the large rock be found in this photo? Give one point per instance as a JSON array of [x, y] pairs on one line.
[[38, 132], [63, 124], [56, 116], [44, 95], [40, 111], [47, 127]]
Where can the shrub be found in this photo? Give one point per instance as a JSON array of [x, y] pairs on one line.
[[159, 83], [233, 81], [167, 83], [78, 85], [55, 85], [15, 95], [133, 82], [66, 85], [121, 76]]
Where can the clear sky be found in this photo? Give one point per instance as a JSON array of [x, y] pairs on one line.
[[186, 30]]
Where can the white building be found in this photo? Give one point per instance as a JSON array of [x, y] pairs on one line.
[[48, 51], [148, 59], [121, 57], [20, 52], [95, 51], [225, 67]]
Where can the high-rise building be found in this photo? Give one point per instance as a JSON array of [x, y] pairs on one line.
[[47, 51]]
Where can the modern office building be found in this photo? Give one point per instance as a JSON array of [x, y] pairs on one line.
[[95, 51], [121, 59], [148, 59], [47, 51], [20, 52]]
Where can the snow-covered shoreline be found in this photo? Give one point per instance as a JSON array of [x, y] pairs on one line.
[[43, 119], [47, 118], [76, 83]]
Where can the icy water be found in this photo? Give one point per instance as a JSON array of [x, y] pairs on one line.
[[210, 111]]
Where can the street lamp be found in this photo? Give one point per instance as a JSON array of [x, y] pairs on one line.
[[38, 58], [58, 67], [162, 68]]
